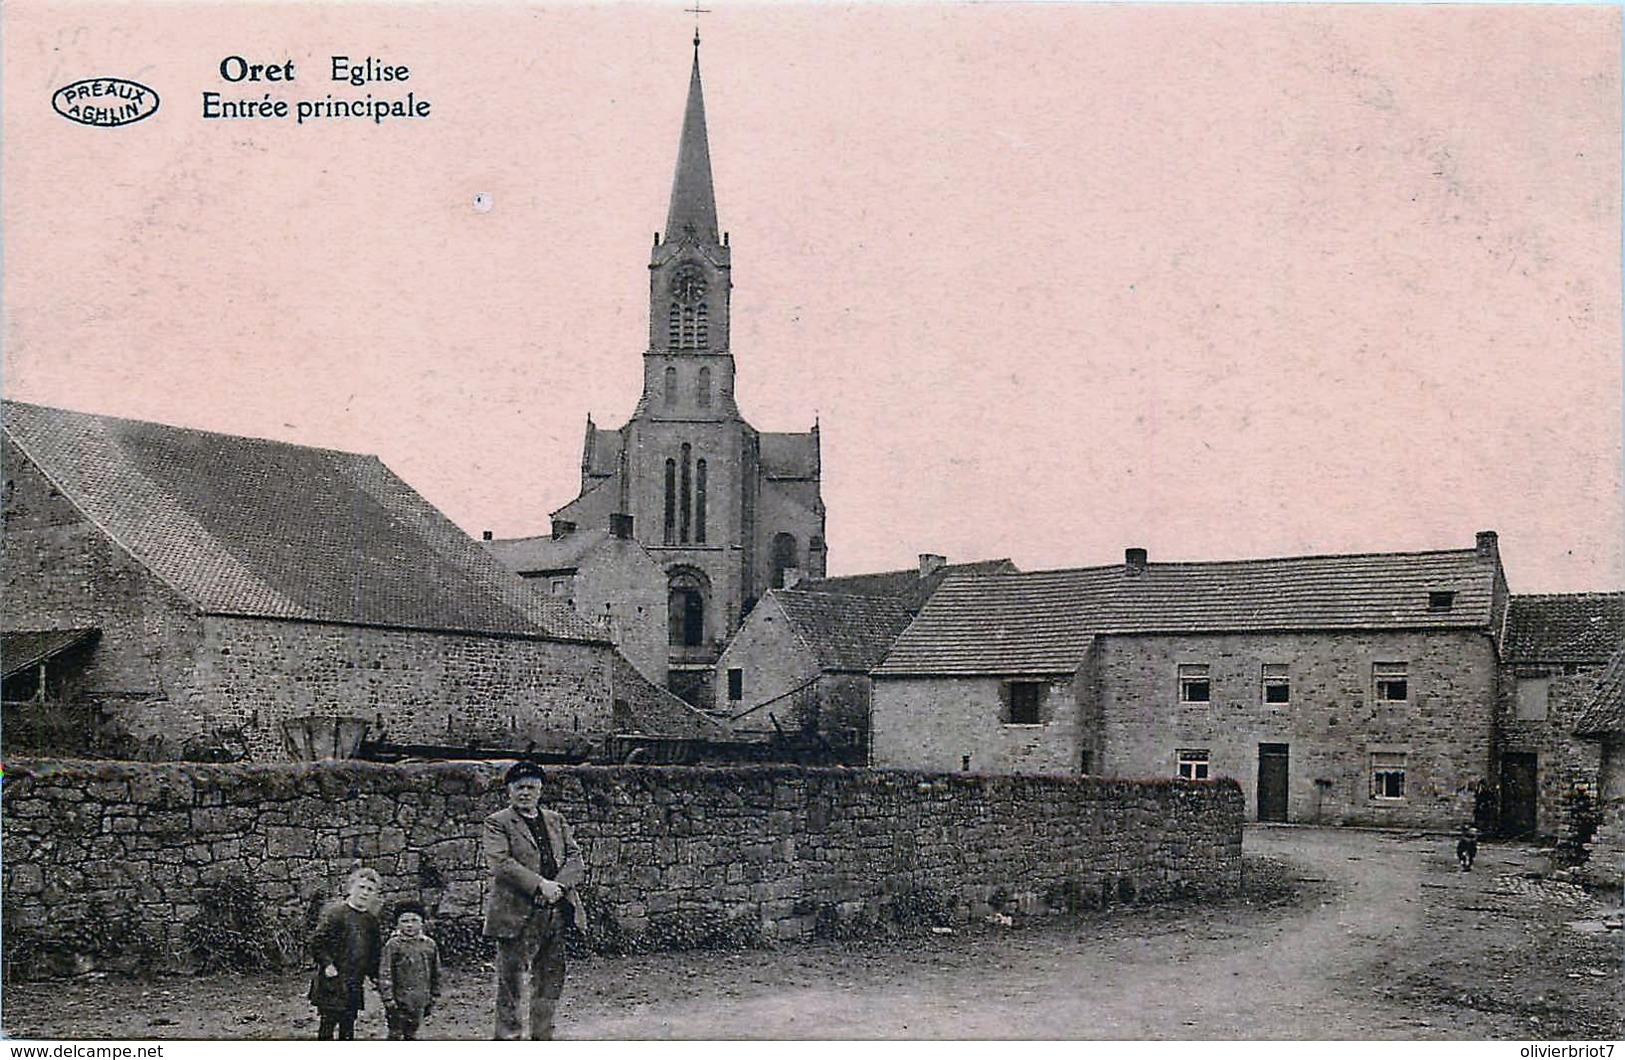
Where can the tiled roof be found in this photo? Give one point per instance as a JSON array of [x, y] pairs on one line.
[[643, 707], [845, 632], [24, 648], [789, 455], [245, 526], [904, 585], [529, 555], [1042, 622], [1604, 714], [1567, 627]]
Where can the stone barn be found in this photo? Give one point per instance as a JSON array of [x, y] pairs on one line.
[[179, 594]]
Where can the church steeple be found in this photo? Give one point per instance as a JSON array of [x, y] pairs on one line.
[[693, 210]]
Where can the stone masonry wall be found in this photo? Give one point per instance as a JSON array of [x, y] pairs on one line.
[[933, 723], [775, 852], [1563, 761]]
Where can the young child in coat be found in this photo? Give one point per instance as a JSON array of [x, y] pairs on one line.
[[345, 946], [408, 974]]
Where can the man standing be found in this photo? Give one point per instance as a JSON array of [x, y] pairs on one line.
[[535, 865]]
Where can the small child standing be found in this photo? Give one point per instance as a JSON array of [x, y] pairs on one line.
[[409, 974], [345, 946]]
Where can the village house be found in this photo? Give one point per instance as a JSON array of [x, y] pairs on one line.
[[607, 576], [1341, 689], [1603, 722], [175, 593], [1555, 647], [802, 657]]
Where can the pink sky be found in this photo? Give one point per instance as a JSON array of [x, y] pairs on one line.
[[1056, 280]]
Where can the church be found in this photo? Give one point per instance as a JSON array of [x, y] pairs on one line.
[[727, 511]]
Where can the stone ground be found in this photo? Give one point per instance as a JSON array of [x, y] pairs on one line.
[[1342, 934]]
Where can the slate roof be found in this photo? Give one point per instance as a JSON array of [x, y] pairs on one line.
[[905, 585], [534, 555], [792, 456], [25, 648], [1042, 622], [603, 451], [1566, 627], [1604, 713], [845, 632], [246, 526]]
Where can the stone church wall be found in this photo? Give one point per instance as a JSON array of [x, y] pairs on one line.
[[107, 862]]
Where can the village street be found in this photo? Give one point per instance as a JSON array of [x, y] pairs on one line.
[[1343, 934]]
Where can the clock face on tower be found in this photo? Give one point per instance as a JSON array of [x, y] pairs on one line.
[[688, 285]]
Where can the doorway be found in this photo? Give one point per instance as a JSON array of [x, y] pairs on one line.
[[1272, 774], [1519, 788]]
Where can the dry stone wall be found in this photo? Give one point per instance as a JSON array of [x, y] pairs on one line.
[[108, 862]]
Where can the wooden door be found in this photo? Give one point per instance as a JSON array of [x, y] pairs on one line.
[[1272, 776], [1518, 791]]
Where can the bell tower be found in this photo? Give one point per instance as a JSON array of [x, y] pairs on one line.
[[688, 372]]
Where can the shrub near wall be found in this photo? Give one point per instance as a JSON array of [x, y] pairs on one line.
[[181, 865]]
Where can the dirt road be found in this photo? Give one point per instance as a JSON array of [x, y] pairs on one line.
[[1342, 935]]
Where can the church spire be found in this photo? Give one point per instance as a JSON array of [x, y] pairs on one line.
[[693, 209]]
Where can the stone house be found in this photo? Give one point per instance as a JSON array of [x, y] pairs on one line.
[[1554, 648], [1347, 689], [607, 576], [185, 594], [801, 662], [1603, 722], [728, 511]]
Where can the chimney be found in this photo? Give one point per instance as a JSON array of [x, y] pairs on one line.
[[792, 577], [620, 525], [1489, 545], [930, 563], [562, 528], [1134, 561], [485, 535]]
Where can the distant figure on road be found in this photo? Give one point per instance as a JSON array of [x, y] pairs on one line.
[[1467, 847], [535, 865]]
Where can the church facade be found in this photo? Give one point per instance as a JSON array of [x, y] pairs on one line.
[[728, 511]]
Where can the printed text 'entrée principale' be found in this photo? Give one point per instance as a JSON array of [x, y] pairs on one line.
[[246, 100]]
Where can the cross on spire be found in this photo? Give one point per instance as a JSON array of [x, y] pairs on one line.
[[697, 11]]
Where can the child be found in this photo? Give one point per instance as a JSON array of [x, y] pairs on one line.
[[409, 974], [1467, 847], [345, 946]]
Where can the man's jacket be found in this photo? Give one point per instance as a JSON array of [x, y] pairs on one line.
[[515, 863]]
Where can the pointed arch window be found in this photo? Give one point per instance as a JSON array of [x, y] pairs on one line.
[[686, 497], [699, 502], [702, 388], [670, 536], [671, 386]]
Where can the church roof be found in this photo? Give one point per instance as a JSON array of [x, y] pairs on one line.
[[251, 527], [693, 202], [1564, 627], [845, 632], [603, 451], [791, 456], [534, 555], [909, 585], [1042, 622]]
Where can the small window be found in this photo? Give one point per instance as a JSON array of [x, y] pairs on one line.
[[1277, 683], [1193, 763], [1392, 682], [736, 684], [1387, 775], [1441, 600], [1533, 695], [1194, 684], [561, 587], [1086, 761], [1025, 699]]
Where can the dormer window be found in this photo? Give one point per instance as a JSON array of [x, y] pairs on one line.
[[1441, 600]]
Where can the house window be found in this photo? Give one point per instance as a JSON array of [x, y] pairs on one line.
[[1193, 763], [1391, 680], [1387, 775], [1441, 600], [561, 587], [1194, 684], [1533, 695], [1024, 701], [1277, 683], [736, 684]]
